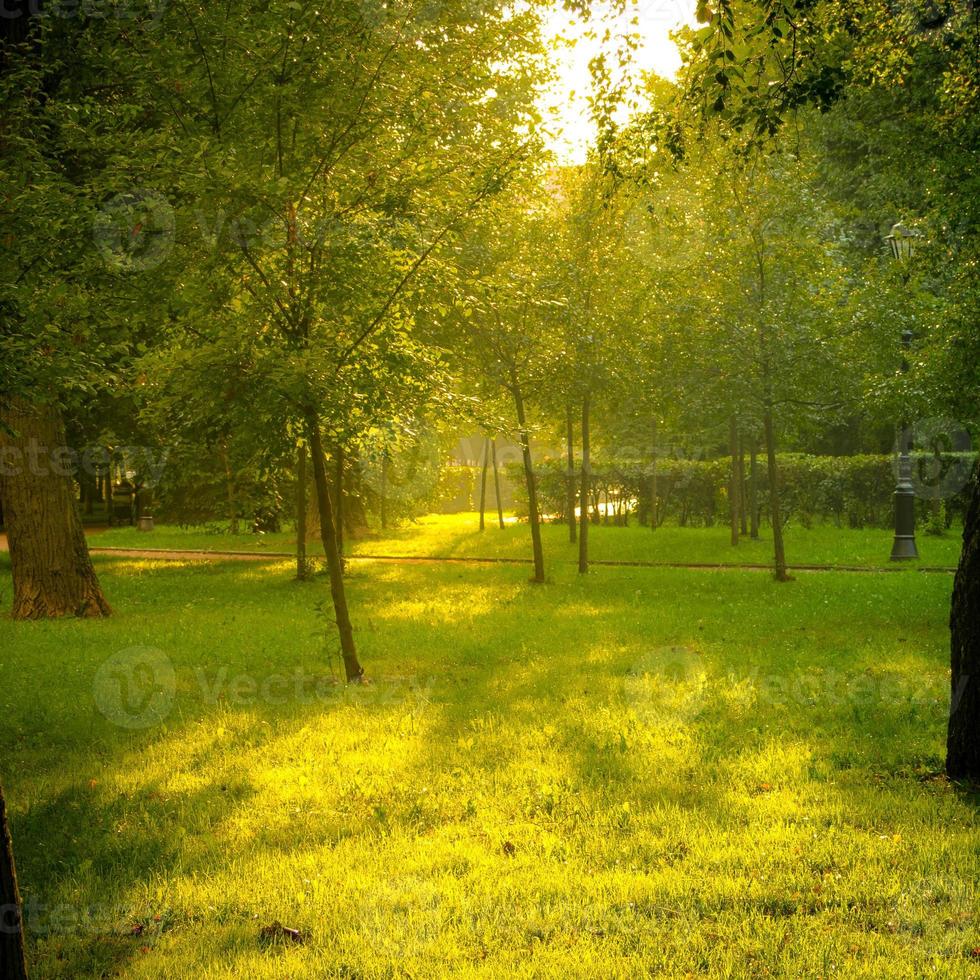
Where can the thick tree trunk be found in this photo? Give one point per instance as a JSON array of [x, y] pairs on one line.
[[753, 491], [963, 736], [779, 552], [734, 485], [52, 570], [583, 534], [496, 484], [12, 963], [529, 478], [483, 484], [570, 475], [302, 565], [328, 535]]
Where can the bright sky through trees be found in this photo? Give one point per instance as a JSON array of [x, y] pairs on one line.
[[576, 43]]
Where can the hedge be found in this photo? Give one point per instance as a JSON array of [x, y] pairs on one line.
[[849, 491]]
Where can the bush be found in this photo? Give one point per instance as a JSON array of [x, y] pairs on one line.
[[855, 491]]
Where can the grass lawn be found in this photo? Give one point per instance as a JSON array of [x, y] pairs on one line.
[[642, 772], [458, 535]]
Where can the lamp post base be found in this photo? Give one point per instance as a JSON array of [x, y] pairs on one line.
[[903, 548]]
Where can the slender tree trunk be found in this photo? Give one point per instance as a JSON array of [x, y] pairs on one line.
[[532, 489], [483, 484], [12, 963], [496, 484], [734, 485], [570, 474], [742, 495], [963, 736], [583, 534], [302, 566], [779, 553], [230, 492], [384, 489], [328, 535], [52, 570], [338, 483], [654, 495], [753, 491]]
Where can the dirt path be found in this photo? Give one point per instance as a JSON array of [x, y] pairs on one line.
[[168, 555]]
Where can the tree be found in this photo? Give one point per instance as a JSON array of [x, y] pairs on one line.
[[963, 735], [12, 962], [52, 570]]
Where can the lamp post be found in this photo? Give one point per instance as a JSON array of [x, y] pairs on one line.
[[902, 241]]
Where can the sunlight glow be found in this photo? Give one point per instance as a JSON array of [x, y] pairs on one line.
[[574, 44]]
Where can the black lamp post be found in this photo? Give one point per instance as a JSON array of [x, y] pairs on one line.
[[902, 241]]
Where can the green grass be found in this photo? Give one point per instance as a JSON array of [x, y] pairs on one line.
[[634, 773], [458, 535]]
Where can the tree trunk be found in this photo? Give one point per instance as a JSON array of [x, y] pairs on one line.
[[734, 486], [229, 489], [532, 489], [753, 491], [654, 502], [570, 475], [963, 736], [338, 511], [302, 566], [328, 535], [384, 489], [496, 484], [583, 534], [742, 496], [52, 570], [12, 963], [779, 554], [483, 484]]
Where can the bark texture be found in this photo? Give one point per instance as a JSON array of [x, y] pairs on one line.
[[52, 570], [963, 737]]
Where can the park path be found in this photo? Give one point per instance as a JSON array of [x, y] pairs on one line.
[[180, 555]]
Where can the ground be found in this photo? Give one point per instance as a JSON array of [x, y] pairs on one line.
[[657, 772], [455, 535]]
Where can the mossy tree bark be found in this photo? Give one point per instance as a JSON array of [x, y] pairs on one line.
[[52, 570]]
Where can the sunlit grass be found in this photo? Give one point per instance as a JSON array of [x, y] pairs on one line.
[[638, 772], [458, 536]]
